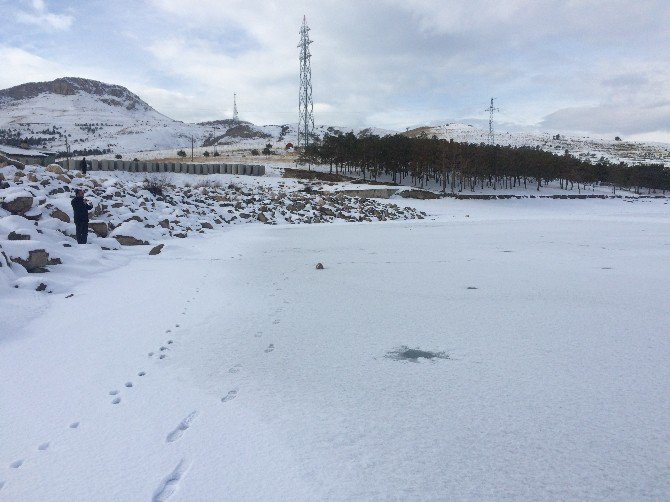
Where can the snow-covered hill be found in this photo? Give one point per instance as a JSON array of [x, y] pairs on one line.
[[103, 118], [109, 118], [584, 147]]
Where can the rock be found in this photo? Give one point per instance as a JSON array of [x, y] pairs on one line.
[[126, 240], [165, 223], [60, 215], [37, 260], [41, 287], [32, 178], [262, 218], [99, 228], [245, 215], [207, 225], [319, 266], [14, 236], [54, 168], [156, 250], [418, 194], [181, 235], [64, 178], [18, 205]]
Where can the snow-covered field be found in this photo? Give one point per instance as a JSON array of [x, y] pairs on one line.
[[229, 368]]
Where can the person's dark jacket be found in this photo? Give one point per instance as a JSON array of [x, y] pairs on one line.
[[83, 165], [81, 210]]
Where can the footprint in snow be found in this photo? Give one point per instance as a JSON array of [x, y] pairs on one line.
[[229, 397], [141, 373], [74, 425], [162, 356], [16, 464], [270, 348], [170, 342], [170, 484], [183, 426], [116, 400], [235, 369], [129, 384], [43, 446], [113, 392]]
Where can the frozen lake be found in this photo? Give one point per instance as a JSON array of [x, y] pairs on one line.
[[277, 382]]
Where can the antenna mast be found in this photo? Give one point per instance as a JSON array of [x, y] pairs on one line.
[[491, 109], [305, 103], [236, 117]]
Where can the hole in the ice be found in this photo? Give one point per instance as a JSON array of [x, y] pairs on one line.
[[404, 353]]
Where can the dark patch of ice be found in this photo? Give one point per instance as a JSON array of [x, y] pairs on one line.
[[404, 353]]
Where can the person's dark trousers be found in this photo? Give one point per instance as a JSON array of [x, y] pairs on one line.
[[82, 232]]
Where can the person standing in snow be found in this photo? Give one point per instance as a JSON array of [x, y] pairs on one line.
[[83, 165], [81, 207]]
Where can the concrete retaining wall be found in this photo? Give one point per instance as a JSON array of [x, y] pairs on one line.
[[165, 167]]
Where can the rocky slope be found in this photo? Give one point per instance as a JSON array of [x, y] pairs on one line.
[[37, 232]]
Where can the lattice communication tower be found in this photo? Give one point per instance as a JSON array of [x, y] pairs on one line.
[[491, 109], [305, 103]]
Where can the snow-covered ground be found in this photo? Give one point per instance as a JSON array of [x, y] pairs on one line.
[[276, 381]]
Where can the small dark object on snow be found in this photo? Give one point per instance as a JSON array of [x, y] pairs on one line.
[[472, 287], [404, 353], [70, 295], [156, 250], [41, 287], [319, 266]]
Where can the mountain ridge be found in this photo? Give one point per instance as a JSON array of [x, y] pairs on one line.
[[95, 117]]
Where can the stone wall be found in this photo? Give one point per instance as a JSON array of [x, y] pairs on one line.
[[165, 167]]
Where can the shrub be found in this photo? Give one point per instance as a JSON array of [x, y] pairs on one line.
[[118, 156], [217, 154], [206, 154], [156, 184], [208, 183], [181, 153], [255, 152], [136, 159]]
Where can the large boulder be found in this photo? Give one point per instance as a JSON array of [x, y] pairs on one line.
[[127, 240], [99, 228], [54, 168], [19, 204], [16, 236], [36, 261], [60, 215]]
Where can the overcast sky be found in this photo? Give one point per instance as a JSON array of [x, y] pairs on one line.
[[601, 67]]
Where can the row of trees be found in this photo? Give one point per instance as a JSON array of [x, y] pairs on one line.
[[457, 167]]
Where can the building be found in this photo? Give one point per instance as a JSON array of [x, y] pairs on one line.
[[28, 156]]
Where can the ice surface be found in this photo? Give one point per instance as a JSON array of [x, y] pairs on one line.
[[555, 386]]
